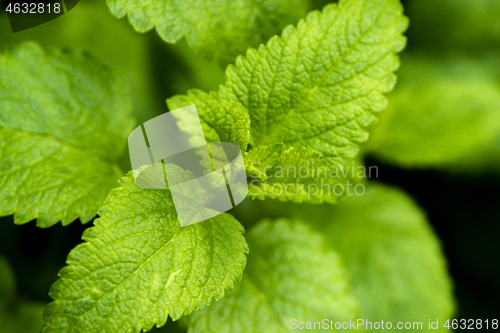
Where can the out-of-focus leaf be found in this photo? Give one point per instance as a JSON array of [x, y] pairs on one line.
[[7, 282], [291, 274], [23, 317], [443, 111], [484, 159], [89, 28], [218, 29], [16, 316], [396, 263], [454, 25]]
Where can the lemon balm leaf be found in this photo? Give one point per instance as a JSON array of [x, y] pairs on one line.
[[454, 26], [137, 266], [454, 118], [221, 120], [485, 158], [218, 29], [64, 119], [295, 174], [395, 260], [291, 274], [320, 83]]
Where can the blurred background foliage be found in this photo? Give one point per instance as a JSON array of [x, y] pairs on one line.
[[438, 141]]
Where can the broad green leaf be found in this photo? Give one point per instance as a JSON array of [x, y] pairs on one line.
[[64, 120], [319, 84], [442, 112], [15, 315], [218, 29], [221, 120], [291, 274], [297, 175], [453, 25], [91, 29], [396, 263], [137, 266]]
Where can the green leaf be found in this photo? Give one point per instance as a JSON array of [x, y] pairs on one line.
[[395, 260], [221, 120], [16, 316], [442, 112], [319, 84], [137, 265], [297, 175], [455, 25], [291, 274], [218, 29], [484, 159], [64, 120], [118, 46]]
